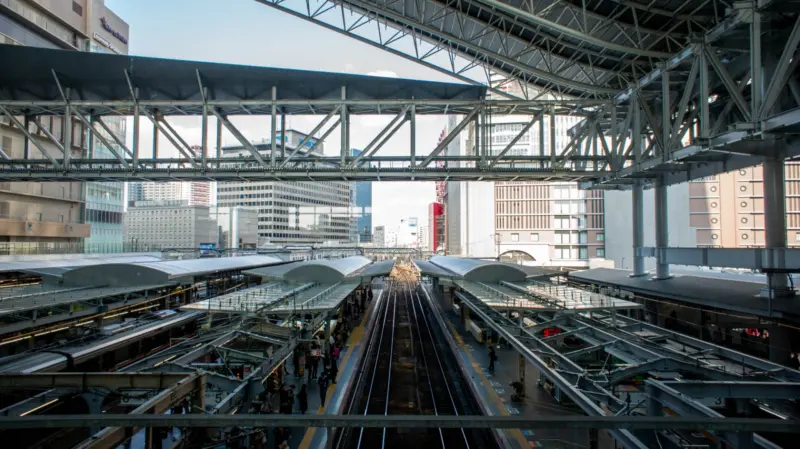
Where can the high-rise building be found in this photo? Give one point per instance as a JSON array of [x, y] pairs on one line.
[[436, 224], [69, 216], [194, 193], [423, 238], [379, 236], [408, 232], [169, 224], [362, 207], [543, 223], [291, 212]]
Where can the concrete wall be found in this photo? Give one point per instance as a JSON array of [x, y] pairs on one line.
[[619, 224]]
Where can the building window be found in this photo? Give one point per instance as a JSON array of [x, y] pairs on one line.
[[713, 204], [745, 236], [742, 172], [714, 236], [601, 252], [713, 188], [78, 9], [743, 204], [583, 253], [714, 220], [515, 237], [743, 188], [601, 237], [797, 236], [534, 237], [744, 220], [39, 216]]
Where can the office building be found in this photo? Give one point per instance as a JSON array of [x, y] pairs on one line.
[[362, 207], [291, 212], [194, 193], [169, 224], [722, 211], [423, 238], [379, 236], [238, 227], [64, 216], [407, 233]]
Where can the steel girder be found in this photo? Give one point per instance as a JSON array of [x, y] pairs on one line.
[[399, 422], [562, 48], [643, 348]]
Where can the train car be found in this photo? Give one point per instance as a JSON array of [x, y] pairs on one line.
[[477, 331]]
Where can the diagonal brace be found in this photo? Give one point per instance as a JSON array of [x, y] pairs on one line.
[[119, 141], [384, 140], [176, 144], [782, 70], [102, 139], [368, 149], [730, 84], [240, 137], [450, 136], [32, 139], [514, 141], [308, 136]]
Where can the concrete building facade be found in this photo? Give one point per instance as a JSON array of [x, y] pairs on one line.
[[63, 216], [194, 193], [379, 236], [291, 212], [169, 224], [238, 227]]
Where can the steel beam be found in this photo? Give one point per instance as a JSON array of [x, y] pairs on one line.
[[91, 380], [302, 144], [516, 139], [178, 144], [782, 71], [450, 136], [99, 120], [403, 422], [102, 139], [736, 389]]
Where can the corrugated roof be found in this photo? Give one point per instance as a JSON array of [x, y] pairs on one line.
[[34, 263], [429, 269], [121, 274], [480, 270], [376, 269], [101, 77], [323, 271]]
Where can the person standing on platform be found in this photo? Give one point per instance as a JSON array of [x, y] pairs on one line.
[[492, 359], [334, 371], [323, 388], [302, 399]]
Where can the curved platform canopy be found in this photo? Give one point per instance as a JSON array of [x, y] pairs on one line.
[[480, 270], [320, 271], [156, 273], [40, 264], [377, 269]]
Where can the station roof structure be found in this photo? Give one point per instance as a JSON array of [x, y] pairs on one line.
[[322, 271], [428, 269], [159, 273], [480, 270], [728, 294], [377, 269], [35, 264], [103, 77]]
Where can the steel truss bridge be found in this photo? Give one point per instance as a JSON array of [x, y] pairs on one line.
[[633, 72]]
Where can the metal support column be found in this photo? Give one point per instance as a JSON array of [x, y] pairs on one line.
[[135, 146], [283, 134], [775, 218], [552, 136], [274, 126], [662, 228], [756, 66], [27, 143], [155, 137], [413, 135], [219, 141], [204, 129], [704, 118], [67, 130], [344, 128], [638, 193], [89, 137]]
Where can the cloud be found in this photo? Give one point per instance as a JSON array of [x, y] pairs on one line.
[[383, 73]]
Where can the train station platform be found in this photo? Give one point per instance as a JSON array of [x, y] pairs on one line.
[[348, 363], [494, 390]]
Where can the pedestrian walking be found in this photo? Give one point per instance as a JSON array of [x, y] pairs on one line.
[[334, 371], [492, 359], [336, 351], [323, 388], [302, 399]]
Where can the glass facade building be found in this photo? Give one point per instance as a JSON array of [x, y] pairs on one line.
[[362, 202]]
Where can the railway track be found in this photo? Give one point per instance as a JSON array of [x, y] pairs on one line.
[[407, 370]]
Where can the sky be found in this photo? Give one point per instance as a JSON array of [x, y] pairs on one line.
[[248, 32]]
